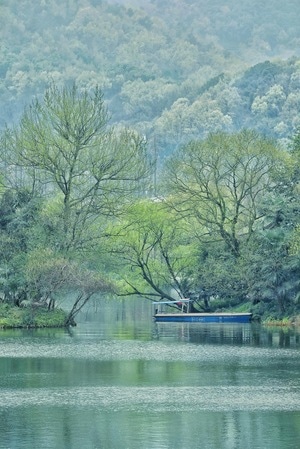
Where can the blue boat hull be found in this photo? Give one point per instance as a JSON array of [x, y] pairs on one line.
[[204, 317]]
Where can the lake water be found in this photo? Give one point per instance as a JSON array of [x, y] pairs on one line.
[[120, 381]]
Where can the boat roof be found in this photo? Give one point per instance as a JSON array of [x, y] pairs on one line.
[[171, 302]]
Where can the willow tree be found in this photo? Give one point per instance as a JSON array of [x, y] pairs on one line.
[[155, 256], [221, 182]]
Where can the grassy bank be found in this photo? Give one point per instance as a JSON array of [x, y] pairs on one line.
[[265, 316], [285, 322], [16, 317]]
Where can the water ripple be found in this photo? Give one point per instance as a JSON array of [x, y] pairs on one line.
[[147, 399], [139, 350]]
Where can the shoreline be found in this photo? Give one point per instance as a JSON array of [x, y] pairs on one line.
[[13, 317]]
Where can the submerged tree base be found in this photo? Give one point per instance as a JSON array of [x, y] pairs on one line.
[[16, 317]]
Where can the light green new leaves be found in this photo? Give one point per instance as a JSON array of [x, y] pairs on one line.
[[157, 257]]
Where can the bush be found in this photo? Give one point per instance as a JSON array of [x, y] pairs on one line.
[[15, 317]]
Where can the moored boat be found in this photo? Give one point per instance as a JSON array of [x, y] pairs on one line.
[[160, 315]]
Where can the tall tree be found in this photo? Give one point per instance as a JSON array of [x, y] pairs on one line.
[[65, 153], [220, 181], [65, 145]]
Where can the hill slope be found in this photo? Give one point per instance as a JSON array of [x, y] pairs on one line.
[[155, 59]]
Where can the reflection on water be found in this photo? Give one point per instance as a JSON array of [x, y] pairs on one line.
[[233, 334], [119, 380]]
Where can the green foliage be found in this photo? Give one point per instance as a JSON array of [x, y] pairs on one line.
[[295, 241], [273, 273], [179, 73], [12, 317], [155, 253], [295, 146], [64, 142], [148, 55], [225, 235], [19, 214], [220, 181], [76, 173], [220, 281]]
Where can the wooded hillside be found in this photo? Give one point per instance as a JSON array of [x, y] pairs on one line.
[[173, 69]]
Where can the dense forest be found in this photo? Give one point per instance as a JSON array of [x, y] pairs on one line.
[[151, 148], [174, 70]]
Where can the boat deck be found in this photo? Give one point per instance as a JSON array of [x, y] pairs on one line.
[[204, 317]]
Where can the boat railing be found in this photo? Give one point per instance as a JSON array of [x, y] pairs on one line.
[[182, 304]]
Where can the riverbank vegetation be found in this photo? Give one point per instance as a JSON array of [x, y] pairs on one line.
[[65, 175], [225, 232], [34, 316], [157, 155], [78, 213]]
